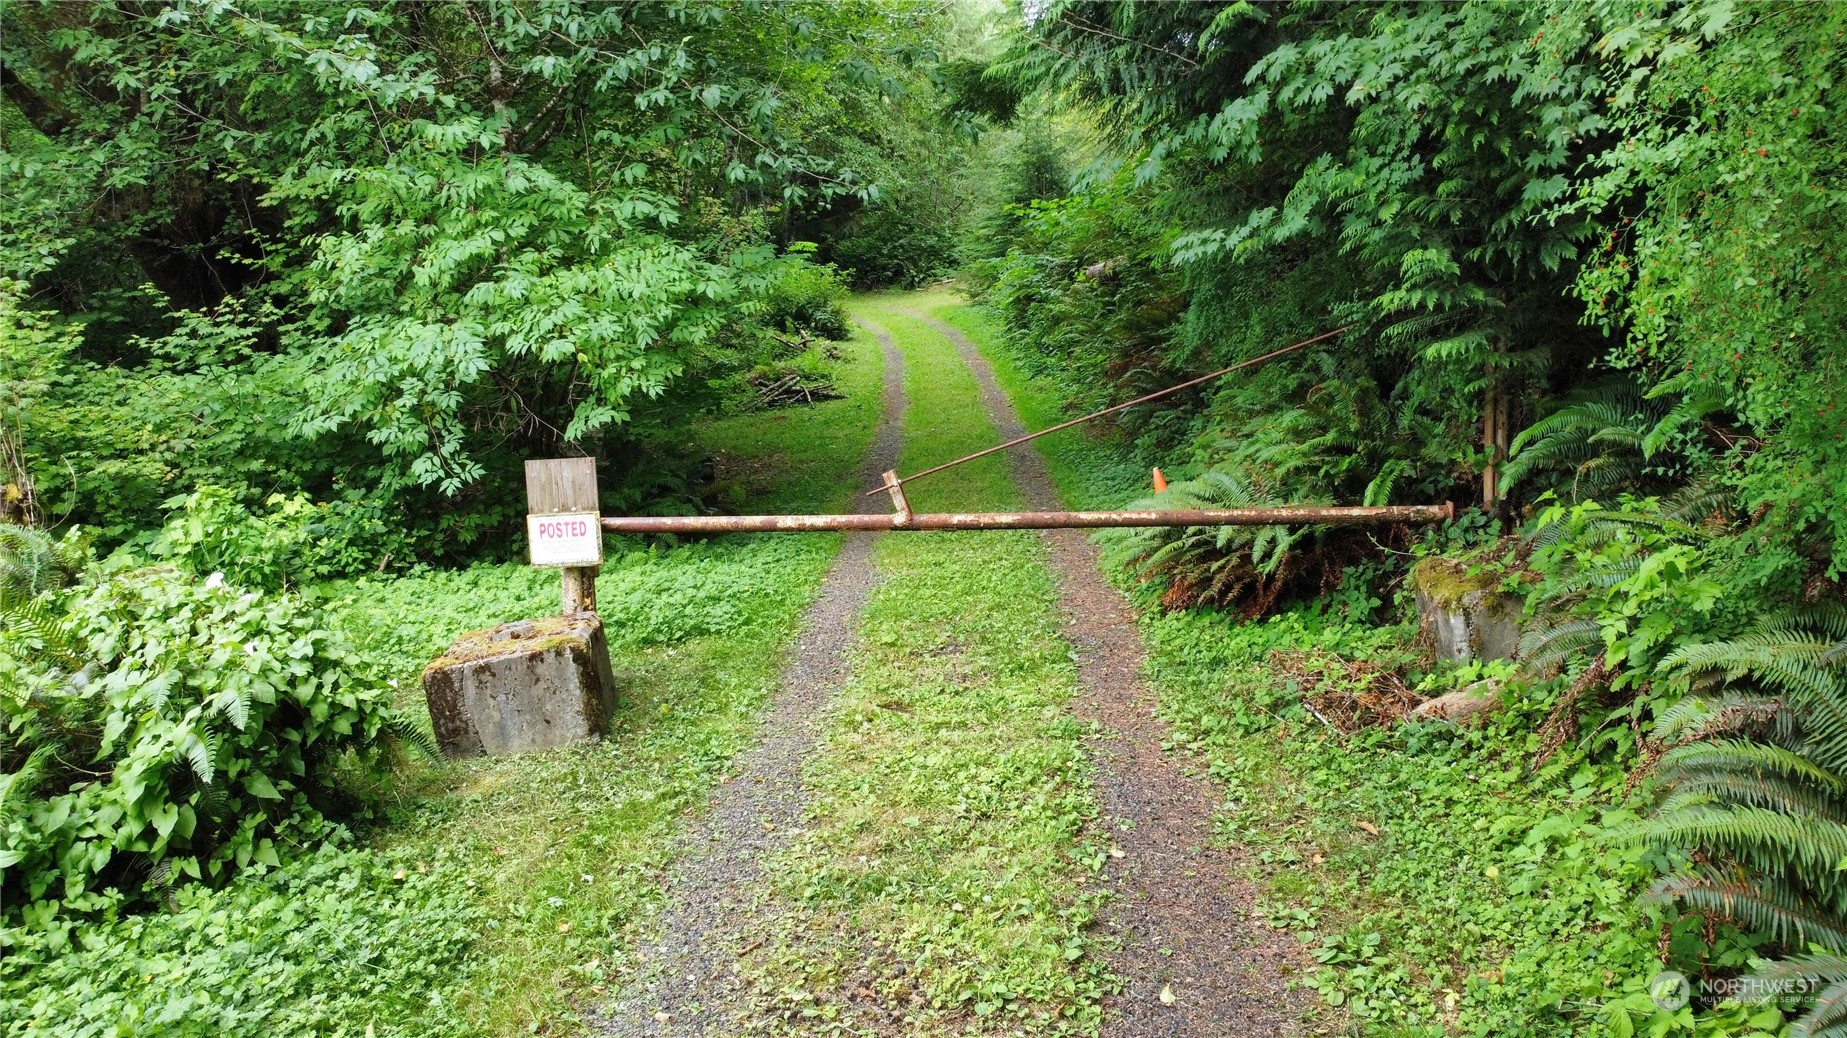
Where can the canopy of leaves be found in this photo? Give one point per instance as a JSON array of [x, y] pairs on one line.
[[397, 245]]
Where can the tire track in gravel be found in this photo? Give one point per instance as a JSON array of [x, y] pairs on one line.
[[1181, 908], [687, 983]]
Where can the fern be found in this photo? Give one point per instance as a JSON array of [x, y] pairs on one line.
[[1211, 565], [1755, 781], [1827, 1010], [35, 630], [16, 787], [32, 563], [1606, 437], [1545, 645], [407, 732], [1788, 919]]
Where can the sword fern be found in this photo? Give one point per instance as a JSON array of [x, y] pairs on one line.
[[1755, 785]]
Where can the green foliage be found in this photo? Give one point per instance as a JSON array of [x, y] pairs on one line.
[[294, 542], [172, 728], [387, 253], [334, 942], [1082, 294], [903, 243], [1608, 438], [453, 926], [1393, 168], [808, 298], [1721, 271], [1754, 782], [1635, 583], [1489, 901], [32, 563], [1249, 567]]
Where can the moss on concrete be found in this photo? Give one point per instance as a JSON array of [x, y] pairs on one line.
[[1447, 582], [520, 636]]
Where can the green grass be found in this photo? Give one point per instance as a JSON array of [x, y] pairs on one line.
[[1089, 467], [938, 885], [801, 459], [1492, 899], [566, 849]]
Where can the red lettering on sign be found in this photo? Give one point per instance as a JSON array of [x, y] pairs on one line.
[[555, 528]]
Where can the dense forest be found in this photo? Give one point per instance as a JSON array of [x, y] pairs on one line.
[[290, 290]]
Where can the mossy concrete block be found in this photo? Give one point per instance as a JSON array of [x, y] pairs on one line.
[[522, 686], [1467, 618]]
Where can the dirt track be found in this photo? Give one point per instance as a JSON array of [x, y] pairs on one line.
[[1181, 909], [687, 984]]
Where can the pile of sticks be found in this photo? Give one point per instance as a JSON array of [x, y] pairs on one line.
[[791, 388]]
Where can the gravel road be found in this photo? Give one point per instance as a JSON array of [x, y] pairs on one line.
[[685, 984], [1184, 912]]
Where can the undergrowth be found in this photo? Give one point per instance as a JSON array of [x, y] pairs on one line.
[[490, 896]]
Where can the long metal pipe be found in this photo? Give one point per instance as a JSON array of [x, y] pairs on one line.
[[1384, 515]]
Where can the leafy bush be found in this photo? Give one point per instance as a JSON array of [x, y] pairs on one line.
[[1611, 438], [901, 243], [1628, 584], [159, 726], [1250, 567], [31, 563], [294, 542], [336, 942], [808, 298]]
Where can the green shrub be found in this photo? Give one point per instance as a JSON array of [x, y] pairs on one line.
[[293, 542], [899, 243], [32, 563], [159, 726], [333, 943], [808, 298], [1755, 784]]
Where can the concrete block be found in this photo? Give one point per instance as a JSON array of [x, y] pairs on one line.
[[1467, 619], [522, 686]]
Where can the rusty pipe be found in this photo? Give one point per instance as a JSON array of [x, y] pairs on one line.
[[1383, 515]]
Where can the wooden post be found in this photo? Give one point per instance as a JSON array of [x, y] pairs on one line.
[[567, 486], [1494, 440]]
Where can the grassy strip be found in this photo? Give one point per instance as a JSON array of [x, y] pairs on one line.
[[938, 885], [1089, 468], [1489, 901]]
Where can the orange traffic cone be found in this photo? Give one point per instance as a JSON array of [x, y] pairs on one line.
[[1160, 482]]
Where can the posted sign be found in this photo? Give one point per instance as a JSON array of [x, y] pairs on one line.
[[565, 539]]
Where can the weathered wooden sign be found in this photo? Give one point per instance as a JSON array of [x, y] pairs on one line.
[[564, 525]]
